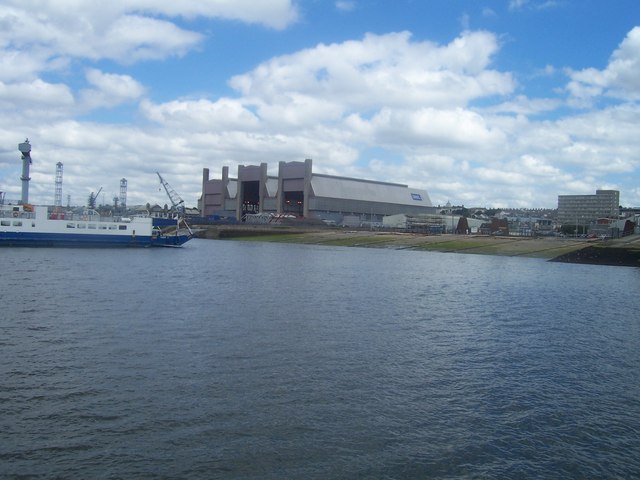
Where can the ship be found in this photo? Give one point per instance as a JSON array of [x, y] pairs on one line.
[[36, 226], [25, 225]]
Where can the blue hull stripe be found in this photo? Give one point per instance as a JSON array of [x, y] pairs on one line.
[[32, 239]]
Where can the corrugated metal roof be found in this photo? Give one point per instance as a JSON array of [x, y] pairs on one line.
[[351, 189]]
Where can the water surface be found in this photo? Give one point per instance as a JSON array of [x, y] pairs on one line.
[[256, 360]]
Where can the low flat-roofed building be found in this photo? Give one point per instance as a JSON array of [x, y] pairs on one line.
[[299, 192]]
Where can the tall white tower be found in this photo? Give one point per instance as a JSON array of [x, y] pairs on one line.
[[123, 193], [57, 201], [25, 149]]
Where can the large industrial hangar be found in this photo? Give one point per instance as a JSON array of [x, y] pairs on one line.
[[299, 192]]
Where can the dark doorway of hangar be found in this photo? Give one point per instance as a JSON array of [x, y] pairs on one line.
[[250, 197], [294, 203]]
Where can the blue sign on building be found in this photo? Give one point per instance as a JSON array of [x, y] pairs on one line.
[[416, 196]]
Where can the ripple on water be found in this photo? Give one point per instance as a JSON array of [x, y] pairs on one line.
[[284, 361]]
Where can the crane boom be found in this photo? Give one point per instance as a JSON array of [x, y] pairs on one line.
[[176, 201], [93, 199]]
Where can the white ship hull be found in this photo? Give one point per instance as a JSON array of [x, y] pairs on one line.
[[20, 227]]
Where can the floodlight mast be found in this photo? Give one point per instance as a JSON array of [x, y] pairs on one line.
[[57, 199], [25, 149], [177, 203], [123, 193]]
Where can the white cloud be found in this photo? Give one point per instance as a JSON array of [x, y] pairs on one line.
[[436, 116], [465, 21], [384, 70], [297, 111], [276, 14], [21, 97], [73, 34], [620, 79], [522, 105], [201, 115], [536, 166], [488, 12], [517, 4], [16, 65], [603, 141], [109, 89], [433, 128], [132, 38], [126, 31], [346, 5]]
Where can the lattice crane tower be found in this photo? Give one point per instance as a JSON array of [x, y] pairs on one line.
[[123, 193], [57, 200]]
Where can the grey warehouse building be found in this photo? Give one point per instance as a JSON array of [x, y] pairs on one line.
[[299, 192]]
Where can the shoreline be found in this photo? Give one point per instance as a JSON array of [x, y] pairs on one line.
[[619, 252]]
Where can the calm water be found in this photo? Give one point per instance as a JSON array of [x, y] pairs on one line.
[[252, 361]]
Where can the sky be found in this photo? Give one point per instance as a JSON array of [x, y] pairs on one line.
[[483, 103]]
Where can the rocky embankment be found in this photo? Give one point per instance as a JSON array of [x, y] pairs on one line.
[[624, 256]]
